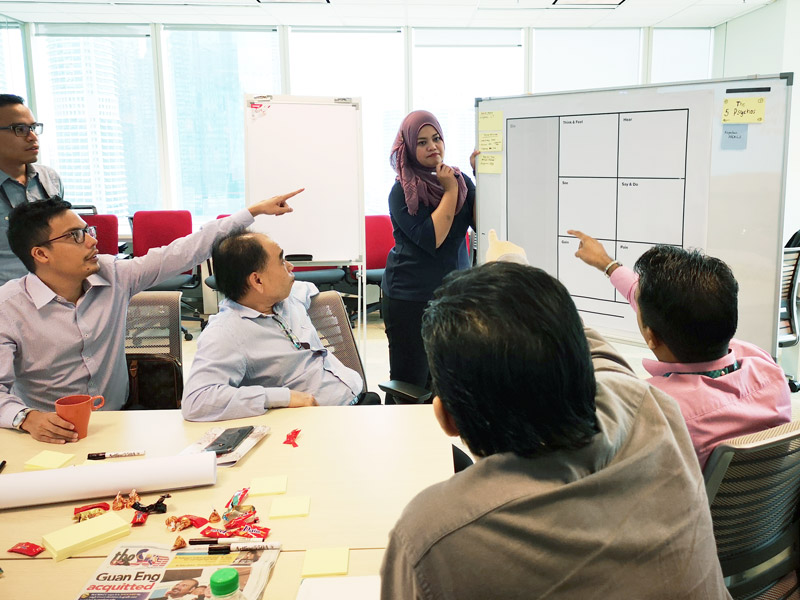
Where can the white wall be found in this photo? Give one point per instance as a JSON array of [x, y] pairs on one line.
[[765, 42]]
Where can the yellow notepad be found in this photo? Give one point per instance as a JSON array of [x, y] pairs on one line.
[[289, 506], [47, 459], [76, 538], [263, 486], [326, 561]]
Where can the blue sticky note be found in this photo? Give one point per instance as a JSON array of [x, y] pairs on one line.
[[734, 136]]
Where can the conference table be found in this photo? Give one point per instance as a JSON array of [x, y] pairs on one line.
[[360, 466]]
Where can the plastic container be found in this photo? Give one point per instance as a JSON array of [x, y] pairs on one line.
[[225, 585]]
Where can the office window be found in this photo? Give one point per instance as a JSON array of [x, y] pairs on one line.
[[95, 96], [12, 64], [452, 67], [681, 55], [206, 75], [367, 64], [578, 59]]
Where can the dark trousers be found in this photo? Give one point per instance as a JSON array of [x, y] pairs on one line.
[[403, 322]]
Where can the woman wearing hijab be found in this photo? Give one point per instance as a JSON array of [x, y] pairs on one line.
[[431, 205]]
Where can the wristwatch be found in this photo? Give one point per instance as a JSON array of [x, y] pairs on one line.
[[19, 418]]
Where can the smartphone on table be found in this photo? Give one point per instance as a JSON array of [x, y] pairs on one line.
[[228, 440]]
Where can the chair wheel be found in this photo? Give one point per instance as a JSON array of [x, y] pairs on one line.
[[794, 386], [187, 336]]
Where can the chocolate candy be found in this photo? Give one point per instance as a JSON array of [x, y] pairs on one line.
[[214, 518], [139, 518], [88, 514], [119, 502], [179, 543], [26, 548]]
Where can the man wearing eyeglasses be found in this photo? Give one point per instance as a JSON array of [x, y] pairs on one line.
[[62, 326], [21, 179]]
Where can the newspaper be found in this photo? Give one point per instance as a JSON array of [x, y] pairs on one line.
[[231, 458], [138, 571]]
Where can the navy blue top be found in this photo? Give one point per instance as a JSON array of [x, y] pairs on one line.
[[415, 267]]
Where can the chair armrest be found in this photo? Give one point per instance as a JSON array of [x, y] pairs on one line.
[[406, 393]]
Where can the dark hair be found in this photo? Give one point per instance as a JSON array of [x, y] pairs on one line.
[[235, 256], [689, 301], [510, 361], [10, 99], [29, 226]]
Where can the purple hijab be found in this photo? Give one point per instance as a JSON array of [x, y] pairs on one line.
[[419, 183]]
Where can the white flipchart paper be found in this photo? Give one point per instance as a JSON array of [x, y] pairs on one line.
[[106, 479]]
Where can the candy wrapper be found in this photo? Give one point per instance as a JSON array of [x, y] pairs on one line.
[[103, 505], [253, 531], [179, 543], [26, 548], [139, 518], [291, 438], [237, 498], [212, 532], [214, 517], [158, 507], [133, 498], [119, 502], [88, 514]]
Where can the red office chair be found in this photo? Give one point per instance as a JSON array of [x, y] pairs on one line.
[[107, 232], [379, 241], [156, 228]]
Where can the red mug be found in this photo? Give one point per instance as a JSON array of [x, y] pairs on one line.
[[77, 409]]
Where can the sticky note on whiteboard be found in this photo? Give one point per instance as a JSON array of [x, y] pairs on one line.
[[744, 110], [490, 141], [490, 163], [491, 120]]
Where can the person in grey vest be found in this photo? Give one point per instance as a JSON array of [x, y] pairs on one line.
[[21, 179]]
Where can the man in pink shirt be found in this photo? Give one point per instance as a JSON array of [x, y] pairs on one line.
[[686, 307]]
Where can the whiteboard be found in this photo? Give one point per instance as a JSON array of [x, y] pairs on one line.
[[296, 142], [640, 166]]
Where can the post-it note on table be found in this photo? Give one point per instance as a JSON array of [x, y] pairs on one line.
[[326, 561], [490, 141], [76, 538], [490, 163], [491, 120], [744, 110], [47, 459], [289, 506], [263, 486]]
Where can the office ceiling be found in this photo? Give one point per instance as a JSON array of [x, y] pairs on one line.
[[377, 13]]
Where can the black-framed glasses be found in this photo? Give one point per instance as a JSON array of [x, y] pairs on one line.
[[22, 130], [292, 337], [78, 235]]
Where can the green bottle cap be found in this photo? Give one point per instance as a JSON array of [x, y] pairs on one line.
[[224, 581]]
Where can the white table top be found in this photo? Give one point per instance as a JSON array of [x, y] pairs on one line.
[[360, 466]]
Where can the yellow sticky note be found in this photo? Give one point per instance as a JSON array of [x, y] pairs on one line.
[[76, 538], [289, 506], [326, 561], [490, 163], [262, 486], [490, 120], [47, 459], [744, 110], [490, 141]]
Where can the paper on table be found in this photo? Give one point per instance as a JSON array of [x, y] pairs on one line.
[[76, 538], [340, 588], [47, 459], [93, 481], [289, 506], [231, 458], [326, 561], [263, 486]]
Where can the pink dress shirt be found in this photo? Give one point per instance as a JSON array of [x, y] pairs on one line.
[[753, 398]]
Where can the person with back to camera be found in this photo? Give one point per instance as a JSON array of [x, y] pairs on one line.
[[431, 206], [687, 309]]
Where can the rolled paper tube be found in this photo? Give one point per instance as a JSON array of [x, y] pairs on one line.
[[106, 479]]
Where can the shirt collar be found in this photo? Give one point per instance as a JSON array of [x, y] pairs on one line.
[[29, 171], [41, 294], [658, 368], [244, 311]]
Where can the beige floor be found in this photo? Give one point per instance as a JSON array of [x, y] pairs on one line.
[[376, 357]]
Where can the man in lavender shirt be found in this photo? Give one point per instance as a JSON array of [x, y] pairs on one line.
[[62, 326], [686, 307]]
